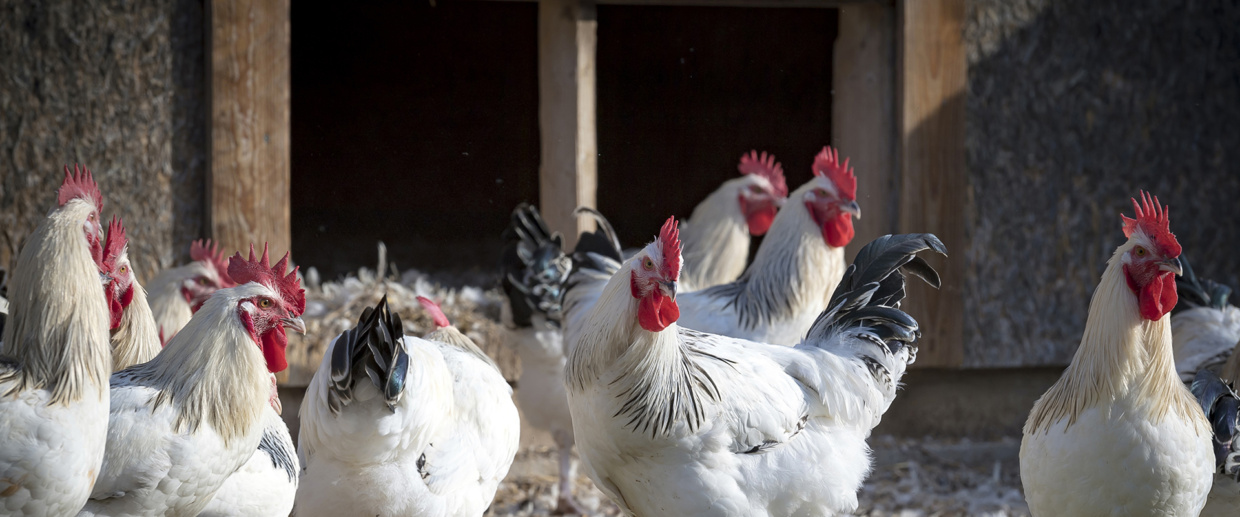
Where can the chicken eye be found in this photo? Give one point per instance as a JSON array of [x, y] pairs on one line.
[[124, 269], [1140, 251], [648, 264], [264, 303], [755, 189], [203, 281]]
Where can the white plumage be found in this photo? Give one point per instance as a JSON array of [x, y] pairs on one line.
[[432, 440]]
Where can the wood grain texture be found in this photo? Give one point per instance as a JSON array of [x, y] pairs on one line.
[[567, 38], [933, 180], [248, 184], [863, 121]]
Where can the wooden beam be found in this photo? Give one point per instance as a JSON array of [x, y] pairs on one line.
[[737, 3], [863, 118], [934, 182], [567, 175], [248, 185]]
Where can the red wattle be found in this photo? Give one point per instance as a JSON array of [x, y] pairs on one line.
[[838, 231], [760, 221], [127, 296], [115, 311], [1158, 298], [274, 343], [189, 297], [655, 311]]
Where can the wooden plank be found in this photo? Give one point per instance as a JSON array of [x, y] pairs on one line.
[[934, 182], [248, 194], [566, 116], [863, 120], [738, 3]]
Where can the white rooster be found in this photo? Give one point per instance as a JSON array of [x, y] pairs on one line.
[[178, 292], [56, 360], [135, 339], [183, 422], [1119, 434], [400, 426], [671, 421]]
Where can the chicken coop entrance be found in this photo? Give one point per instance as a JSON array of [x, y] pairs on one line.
[[418, 125]]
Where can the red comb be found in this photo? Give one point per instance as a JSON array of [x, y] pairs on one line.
[[114, 243], [244, 271], [669, 238], [827, 164], [765, 166], [208, 253], [79, 184], [436, 313], [1154, 220]]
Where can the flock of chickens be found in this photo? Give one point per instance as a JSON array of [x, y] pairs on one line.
[[689, 382]]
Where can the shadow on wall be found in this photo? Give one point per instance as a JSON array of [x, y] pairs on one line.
[[1072, 108]]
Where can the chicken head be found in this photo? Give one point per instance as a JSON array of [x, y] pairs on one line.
[[266, 316], [764, 191], [653, 276], [832, 203], [1153, 257]]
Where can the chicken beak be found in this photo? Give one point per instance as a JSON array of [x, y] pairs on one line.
[[851, 207], [295, 324], [104, 279], [669, 289], [1172, 265]]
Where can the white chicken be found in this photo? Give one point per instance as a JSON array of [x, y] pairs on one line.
[[401, 426], [1119, 434], [183, 422], [716, 245], [178, 292], [134, 337], [56, 360], [671, 421]]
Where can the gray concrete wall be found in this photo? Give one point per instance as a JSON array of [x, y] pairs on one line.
[[119, 87], [1072, 107]]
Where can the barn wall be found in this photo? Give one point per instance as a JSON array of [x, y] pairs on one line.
[[119, 87], [1073, 107]]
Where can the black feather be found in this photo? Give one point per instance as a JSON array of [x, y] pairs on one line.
[[1222, 407], [533, 267], [1199, 292], [375, 348]]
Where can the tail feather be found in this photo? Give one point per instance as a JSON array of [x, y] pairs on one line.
[[602, 241], [533, 267], [1199, 292], [872, 288], [374, 348], [1222, 407]]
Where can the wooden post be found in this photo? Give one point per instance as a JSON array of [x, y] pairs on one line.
[[863, 118], [248, 185], [934, 181], [566, 46]]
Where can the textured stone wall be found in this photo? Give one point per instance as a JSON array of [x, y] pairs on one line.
[[1072, 107], [119, 87]]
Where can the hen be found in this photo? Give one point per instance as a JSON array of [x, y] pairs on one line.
[[178, 292], [1119, 434], [1205, 328], [401, 426], [56, 360], [672, 421], [184, 421], [134, 337]]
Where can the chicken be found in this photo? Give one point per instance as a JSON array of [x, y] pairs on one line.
[[1222, 407], [180, 291], [401, 426], [1204, 329], [1119, 434], [56, 359], [716, 245], [134, 337], [184, 421], [672, 421], [779, 296], [534, 270]]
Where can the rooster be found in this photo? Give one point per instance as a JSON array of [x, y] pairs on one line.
[[394, 425], [134, 338], [180, 291], [672, 421], [184, 421], [56, 359], [717, 243], [1119, 434], [1205, 329]]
